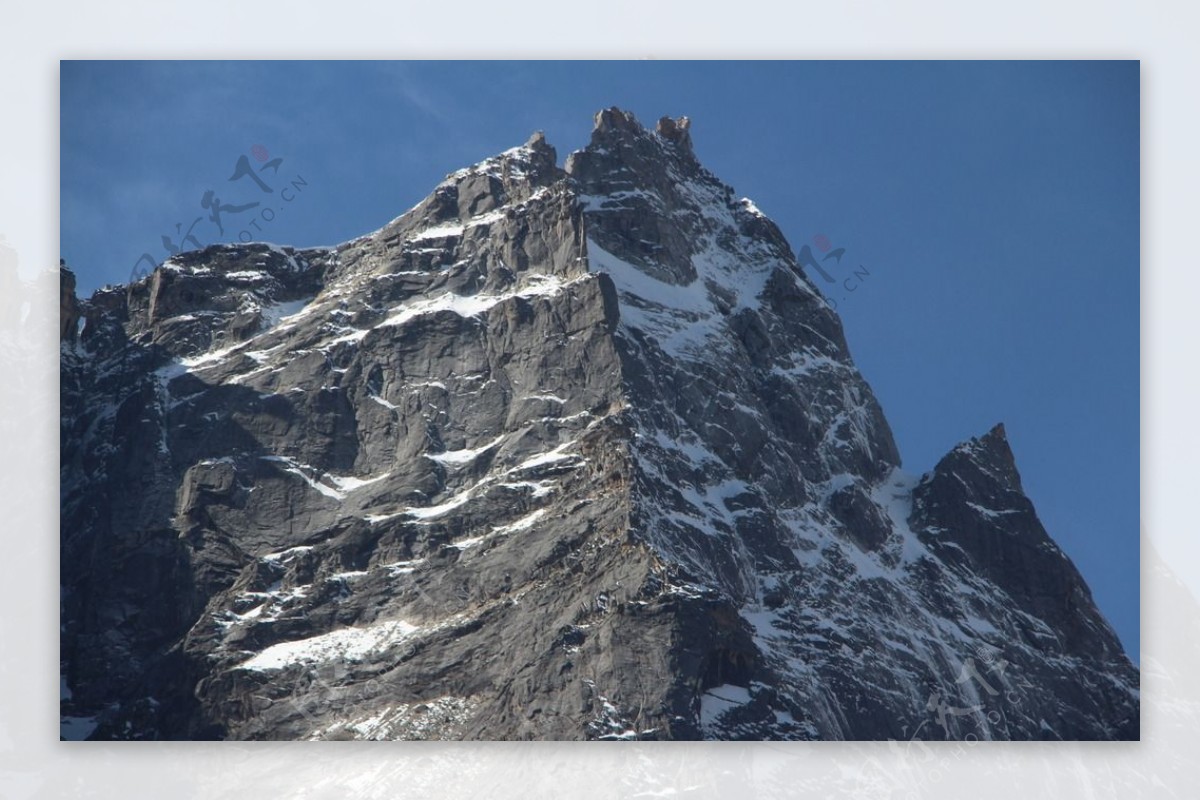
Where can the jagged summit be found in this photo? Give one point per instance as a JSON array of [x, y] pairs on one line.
[[536, 161], [614, 125], [610, 120], [989, 454], [564, 453], [676, 132]]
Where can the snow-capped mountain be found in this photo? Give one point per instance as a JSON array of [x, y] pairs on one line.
[[559, 453]]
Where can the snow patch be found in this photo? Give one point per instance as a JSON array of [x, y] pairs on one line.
[[719, 700], [341, 485], [466, 455], [349, 645]]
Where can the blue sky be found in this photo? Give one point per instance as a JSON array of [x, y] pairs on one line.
[[990, 209]]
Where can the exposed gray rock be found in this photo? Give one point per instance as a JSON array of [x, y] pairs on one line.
[[558, 453]]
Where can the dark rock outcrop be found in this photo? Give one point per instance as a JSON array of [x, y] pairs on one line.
[[69, 311], [558, 453]]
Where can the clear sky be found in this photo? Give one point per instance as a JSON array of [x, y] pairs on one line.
[[990, 210]]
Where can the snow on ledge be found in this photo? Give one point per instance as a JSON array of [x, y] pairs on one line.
[[350, 644]]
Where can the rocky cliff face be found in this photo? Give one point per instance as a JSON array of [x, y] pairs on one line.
[[558, 453]]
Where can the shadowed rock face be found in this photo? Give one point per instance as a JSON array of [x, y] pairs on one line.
[[68, 311], [558, 453]]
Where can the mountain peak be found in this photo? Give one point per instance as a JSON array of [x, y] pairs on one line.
[[992, 454], [615, 128], [555, 454], [613, 119], [995, 442], [997, 433], [675, 131], [541, 152]]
